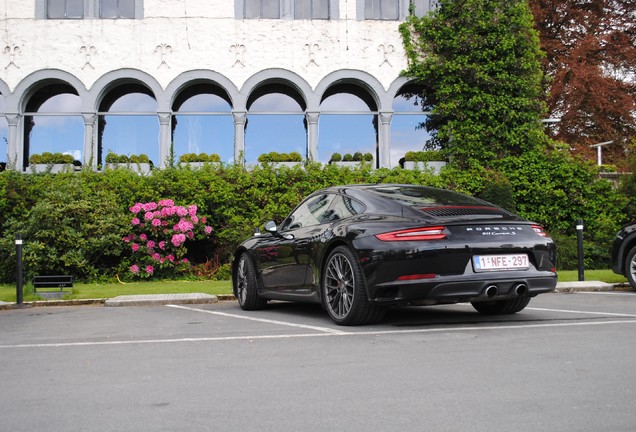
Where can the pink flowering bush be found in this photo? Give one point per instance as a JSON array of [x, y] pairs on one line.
[[159, 236]]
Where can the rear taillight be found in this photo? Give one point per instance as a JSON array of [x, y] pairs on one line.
[[538, 229], [414, 234]]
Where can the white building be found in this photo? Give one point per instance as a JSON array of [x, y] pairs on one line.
[[227, 54]]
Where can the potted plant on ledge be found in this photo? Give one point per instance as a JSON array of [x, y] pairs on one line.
[[276, 159], [136, 163], [51, 162], [194, 160], [352, 160], [424, 160]]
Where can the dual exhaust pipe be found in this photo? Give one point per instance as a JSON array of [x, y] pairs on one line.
[[519, 290]]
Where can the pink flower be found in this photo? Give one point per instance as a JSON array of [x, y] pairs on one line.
[[166, 203], [162, 245], [185, 261], [135, 247], [136, 208], [181, 211], [192, 210], [204, 220], [135, 221], [156, 256], [178, 239], [156, 222], [195, 219], [208, 230], [143, 237], [126, 239], [170, 258], [134, 268], [150, 244], [149, 215], [150, 206], [150, 269]]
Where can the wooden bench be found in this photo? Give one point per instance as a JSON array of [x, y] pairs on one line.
[[53, 281]]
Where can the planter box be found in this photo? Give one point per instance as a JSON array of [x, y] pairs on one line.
[[354, 164], [198, 165], [52, 168], [281, 164], [141, 168], [435, 166]]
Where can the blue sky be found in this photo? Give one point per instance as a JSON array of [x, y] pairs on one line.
[[128, 133]]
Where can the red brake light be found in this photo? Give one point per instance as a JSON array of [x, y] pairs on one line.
[[539, 230], [414, 234]]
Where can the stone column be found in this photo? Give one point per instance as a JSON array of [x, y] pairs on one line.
[[165, 139], [14, 150], [90, 142], [384, 139], [312, 135], [240, 117]]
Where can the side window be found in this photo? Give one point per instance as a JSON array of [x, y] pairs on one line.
[[311, 212], [342, 207], [262, 9], [65, 9], [89, 9], [311, 9], [382, 9], [117, 9]]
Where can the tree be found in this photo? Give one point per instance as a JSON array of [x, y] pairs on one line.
[[591, 60], [479, 62]]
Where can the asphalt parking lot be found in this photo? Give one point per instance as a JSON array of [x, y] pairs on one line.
[[565, 363]]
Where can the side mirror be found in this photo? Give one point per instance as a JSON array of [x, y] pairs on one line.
[[271, 227]]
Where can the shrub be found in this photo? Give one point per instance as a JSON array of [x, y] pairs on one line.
[[50, 158], [124, 159], [201, 157], [367, 157], [357, 156], [424, 156], [335, 157], [273, 157], [347, 158], [159, 235]]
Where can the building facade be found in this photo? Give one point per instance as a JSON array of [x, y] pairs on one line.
[[173, 51]]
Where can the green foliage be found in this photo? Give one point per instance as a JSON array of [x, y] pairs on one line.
[[480, 64], [71, 229], [50, 158], [74, 223], [201, 157], [273, 157], [336, 157], [356, 157], [424, 156], [115, 158]]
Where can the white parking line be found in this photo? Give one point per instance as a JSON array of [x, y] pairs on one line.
[[311, 335], [583, 312], [267, 321]]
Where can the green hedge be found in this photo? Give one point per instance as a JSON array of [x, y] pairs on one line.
[[74, 222]]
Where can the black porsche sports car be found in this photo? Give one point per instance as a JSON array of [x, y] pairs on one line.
[[359, 248]]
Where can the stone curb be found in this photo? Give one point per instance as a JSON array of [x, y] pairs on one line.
[[199, 298]]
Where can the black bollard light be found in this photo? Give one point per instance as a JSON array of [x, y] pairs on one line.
[[19, 282], [579, 241]]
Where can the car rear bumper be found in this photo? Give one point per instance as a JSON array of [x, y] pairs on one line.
[[484, 287]]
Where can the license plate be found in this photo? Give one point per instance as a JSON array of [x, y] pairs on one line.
[[500, 262]]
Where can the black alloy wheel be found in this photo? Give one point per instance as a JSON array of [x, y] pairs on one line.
[[630, 267], [245, 285], [344, 291]]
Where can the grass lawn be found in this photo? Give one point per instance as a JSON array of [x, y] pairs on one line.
[[109, 290]]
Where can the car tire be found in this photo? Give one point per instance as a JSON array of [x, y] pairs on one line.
[[245, 285], [501, 307], [630, 267], [344, 292]]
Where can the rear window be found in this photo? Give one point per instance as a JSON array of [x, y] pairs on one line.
[[425, 197]]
